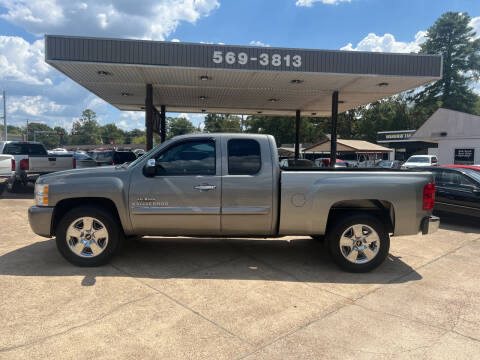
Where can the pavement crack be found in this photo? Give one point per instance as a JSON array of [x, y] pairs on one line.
[[87, 323], [185, 306]]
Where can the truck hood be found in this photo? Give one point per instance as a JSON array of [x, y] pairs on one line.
[[101, 171]]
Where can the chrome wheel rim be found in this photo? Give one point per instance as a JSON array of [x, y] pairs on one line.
[[87, 237], [359, 244]]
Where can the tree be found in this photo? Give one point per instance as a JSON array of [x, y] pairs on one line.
[[283, 128], [452, 37], [179, 126], [111, 133], [222, 123], [87, 129]]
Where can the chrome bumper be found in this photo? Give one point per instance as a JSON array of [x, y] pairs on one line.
[[430, 224], [40, 219]]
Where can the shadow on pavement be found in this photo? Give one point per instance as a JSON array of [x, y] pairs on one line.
[[24, 192], [459, 223], [299, 260]]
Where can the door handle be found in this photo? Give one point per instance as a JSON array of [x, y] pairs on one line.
[[205, 187]]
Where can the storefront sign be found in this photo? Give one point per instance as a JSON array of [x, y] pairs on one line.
[[393, 136], [464, 156]]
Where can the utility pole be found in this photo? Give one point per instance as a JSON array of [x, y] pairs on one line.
[[27, 131], [5, 116]]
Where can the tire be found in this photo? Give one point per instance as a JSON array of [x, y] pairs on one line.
[[358, 249], [78, 244], [13, 186]]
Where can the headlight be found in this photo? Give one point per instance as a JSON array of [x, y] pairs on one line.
[[41, 195]]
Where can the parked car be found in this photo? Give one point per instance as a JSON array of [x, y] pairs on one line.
[[471, 167], [58, 151], [83, 160], [420, 161], [390, 164], [298, 163], [457, 190], [230, 185], [6, 165], [112, 157], [325, 162], [32, 160], [138, 152]]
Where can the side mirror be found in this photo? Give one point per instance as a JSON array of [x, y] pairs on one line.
[[150, 168]]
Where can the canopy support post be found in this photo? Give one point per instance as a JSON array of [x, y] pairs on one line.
[[163, 127], [333, 135], [297, 134], [149, 116]]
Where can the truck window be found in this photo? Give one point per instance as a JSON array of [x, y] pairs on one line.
[[24, 149], [188, 158], [243, 157]]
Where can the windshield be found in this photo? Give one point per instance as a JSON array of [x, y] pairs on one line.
[[473, 174], [419, 159]]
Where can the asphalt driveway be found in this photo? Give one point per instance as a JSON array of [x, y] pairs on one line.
[[187, 298]]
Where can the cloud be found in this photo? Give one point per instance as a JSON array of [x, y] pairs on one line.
[[309, 3], [258, 43], [475, 24], [22, 62], [146, 19], [387, 43]]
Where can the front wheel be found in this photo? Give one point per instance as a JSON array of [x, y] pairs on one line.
[[88, 236], [358, 243]]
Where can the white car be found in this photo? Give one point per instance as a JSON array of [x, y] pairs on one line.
[[5, 165], [420, 161]]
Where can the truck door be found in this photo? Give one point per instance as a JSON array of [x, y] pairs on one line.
[[247, 187], [183, 198]]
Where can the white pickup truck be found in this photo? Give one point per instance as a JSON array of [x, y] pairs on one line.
[[30, 160]]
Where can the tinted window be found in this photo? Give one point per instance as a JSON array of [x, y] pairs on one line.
[[188, 158], [453, 178], [79, 156], [243, 157], [24, 149], [103, 156], [121, 157]]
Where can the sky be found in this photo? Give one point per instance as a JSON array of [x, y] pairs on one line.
[[39, 93]]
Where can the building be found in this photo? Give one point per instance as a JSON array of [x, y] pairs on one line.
[[456, 134], [156, 77], [403, 145], [358, 151]]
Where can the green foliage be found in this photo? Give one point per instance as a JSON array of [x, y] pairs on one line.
[[222, 123], [452, 37], [283, 128], [87, 129], [179, 126]]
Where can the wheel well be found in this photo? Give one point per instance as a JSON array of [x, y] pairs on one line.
[[381, 209], [66, 205]]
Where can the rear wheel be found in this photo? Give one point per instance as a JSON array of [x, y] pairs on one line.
[[358, 243], [88, 236], [13, 186]]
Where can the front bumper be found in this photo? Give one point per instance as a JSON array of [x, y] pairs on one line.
[[430, 224], [40, 219]]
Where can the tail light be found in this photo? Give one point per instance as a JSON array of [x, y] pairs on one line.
[[24, 164], [99, 164], [112, 163], [13, 164], [74, 163], [428, 196]]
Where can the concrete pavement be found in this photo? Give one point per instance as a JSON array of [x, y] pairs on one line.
[[282, 298]]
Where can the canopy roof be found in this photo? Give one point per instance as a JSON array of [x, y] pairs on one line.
[[358, 146], [235, 79]]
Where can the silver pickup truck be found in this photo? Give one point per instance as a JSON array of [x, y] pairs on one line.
[[30, 160], [230, 185]]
